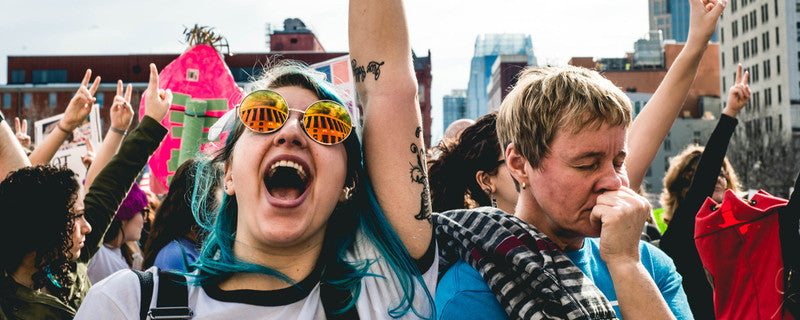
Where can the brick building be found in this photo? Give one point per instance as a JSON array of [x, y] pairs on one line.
[[42, 86]]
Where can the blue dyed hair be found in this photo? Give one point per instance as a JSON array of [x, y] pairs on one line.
[[360, 212]]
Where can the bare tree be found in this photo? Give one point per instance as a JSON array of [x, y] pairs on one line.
[[764, 161]]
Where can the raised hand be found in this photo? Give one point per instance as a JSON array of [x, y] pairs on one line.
[[88, 158], [21, 130], [81, 103], [739, 93], [121, 111], [157, 101], [703, 19]]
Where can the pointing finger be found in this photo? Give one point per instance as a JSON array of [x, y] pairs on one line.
[[153, 78]]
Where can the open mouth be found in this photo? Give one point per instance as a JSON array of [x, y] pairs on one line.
[[286, 180]]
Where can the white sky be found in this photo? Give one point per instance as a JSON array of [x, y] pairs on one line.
[[560, 29]]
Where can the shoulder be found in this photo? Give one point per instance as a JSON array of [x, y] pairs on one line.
[[116, 297], [462, 293]]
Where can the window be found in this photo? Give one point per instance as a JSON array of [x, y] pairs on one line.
[[778, 64], [777, 37], [735, 54], [26, 100], [753, 19], [780, 98], [733, 5], [746, 49], [768, 124], [17, 76], [775, 5], [767, 67], [7, 101], [721, 35], [667, 145], [696, 137], [722, 56], [666, 164], [637, 107], [724, 84], [100, 97], [745, 23], [49, 76], [735, 28], [780, 122], [421, 91], [51, 100], [754, 46]]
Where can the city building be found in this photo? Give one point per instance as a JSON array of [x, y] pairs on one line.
[[763, 36], [454, 107], [505, 71], [671, 17], [487, 48], [42, 86]]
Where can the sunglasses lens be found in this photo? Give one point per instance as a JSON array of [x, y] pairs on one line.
[[327, 122], [263, 111]]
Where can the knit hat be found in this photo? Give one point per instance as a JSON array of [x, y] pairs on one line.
[[133, 203]]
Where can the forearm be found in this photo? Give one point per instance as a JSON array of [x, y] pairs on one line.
[[109, 148], [654, 122], [382, 66], [115, 179], [12, 157], [637, 294], [45, 151]]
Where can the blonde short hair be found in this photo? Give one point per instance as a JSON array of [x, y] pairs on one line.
[[547, 99]]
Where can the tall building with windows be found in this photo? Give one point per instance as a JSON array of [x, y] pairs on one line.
[[454, 106], [660, 18], [762, 36], [487, 48], [671, 17]]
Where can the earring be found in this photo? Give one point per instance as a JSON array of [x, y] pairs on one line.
[[524, 185], [494, 202]]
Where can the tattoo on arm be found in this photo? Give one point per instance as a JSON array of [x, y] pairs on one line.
[[360, 72], [419, 174]]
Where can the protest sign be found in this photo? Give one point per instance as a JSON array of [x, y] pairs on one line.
[[74, 147]]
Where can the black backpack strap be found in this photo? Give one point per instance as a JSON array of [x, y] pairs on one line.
[[173, 297], [334, 299], [146, 295]]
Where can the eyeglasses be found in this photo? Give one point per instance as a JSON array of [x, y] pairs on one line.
[[145, 212], [324, 121]]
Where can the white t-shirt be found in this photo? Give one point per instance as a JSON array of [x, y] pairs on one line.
[[105, 262], [117, 297]]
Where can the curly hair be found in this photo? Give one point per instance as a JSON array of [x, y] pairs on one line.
[[679, 177], [174, 218], [42, 227], [452, 172]]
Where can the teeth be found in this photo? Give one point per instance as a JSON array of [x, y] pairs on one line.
[[290, 164]]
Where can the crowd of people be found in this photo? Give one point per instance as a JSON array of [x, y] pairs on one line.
[[529, 212]]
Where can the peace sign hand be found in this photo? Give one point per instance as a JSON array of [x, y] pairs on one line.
[[21, 130], [81, 104], [121, 111], [739, 93]]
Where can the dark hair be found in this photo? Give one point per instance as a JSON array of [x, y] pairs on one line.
[[42, 227], [452, 173], [174, 218]]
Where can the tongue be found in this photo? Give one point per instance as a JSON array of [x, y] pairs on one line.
[[285, 193]]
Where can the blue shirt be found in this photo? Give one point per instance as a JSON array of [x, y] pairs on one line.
[[170, 257], [463, 294]]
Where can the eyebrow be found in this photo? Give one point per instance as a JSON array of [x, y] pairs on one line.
[[596, 154]]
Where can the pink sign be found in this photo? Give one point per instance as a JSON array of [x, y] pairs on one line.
[[200, 73]]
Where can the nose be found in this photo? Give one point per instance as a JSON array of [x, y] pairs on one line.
[[86, 228], [291, 132], [611, 179]]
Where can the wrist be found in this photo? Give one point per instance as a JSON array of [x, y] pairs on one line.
[[64, 128], [624, 266], [728, 111], [115, 130]]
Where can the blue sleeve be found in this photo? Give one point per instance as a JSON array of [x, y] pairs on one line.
[[170, 258], [463, 294], [668, 280]]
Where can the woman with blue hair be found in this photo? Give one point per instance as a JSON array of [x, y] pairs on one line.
[[307, 228]]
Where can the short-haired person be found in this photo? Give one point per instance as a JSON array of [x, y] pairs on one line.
[[301, 215], [51, 230]]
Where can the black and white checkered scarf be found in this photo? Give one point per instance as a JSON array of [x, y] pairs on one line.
[[528, 273]]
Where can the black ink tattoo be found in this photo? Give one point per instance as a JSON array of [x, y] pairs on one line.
[[360, 72], [419, 174]]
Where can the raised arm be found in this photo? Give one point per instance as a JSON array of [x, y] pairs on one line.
[[393, 147], [121, 116], [78, 109], [116, 178], [655, 120], [678, 240], [12, 157]]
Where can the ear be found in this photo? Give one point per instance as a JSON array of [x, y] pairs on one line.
[[227, 181], [484, 181], [516, 164]]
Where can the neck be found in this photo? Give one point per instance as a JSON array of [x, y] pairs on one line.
[[117, 241], [24, 273], [296, 262], [529, 211]]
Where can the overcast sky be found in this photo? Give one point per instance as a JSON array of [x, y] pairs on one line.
[[560, 29]]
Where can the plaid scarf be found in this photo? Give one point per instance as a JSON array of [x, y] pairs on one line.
[[529, 274]]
